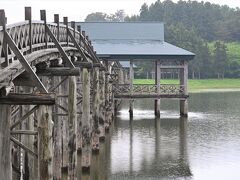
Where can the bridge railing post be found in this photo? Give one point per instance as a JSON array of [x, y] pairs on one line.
[[43, 18], [73, 25], [28, 17], [65, 22], [56, 20], [3, 22], [79, 30]]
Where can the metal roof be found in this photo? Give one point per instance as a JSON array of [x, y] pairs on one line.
[[136, 41], [126, 64]]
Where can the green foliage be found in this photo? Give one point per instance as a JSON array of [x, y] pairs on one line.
[[118, 16], [192, 25]]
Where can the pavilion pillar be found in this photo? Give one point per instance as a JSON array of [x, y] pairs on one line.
[[131, 77], [184, 83], [157, 83], [5, 148]]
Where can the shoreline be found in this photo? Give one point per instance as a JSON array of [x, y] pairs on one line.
[[215, 90]]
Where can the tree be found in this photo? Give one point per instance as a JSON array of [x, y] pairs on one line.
[[96, 17], [220, 58]]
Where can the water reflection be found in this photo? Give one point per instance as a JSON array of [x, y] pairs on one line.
[[150, 149], [204, 146]]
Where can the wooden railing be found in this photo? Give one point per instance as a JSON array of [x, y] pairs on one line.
[[148, 89], [19, 32]]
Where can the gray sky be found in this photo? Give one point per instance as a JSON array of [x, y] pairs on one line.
[[78, 9]]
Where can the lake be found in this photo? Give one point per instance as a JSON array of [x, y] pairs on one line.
[[204, 146]]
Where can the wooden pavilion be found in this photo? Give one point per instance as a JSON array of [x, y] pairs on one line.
[[142, 41]]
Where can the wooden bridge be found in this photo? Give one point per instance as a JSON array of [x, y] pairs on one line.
[[57, 97]]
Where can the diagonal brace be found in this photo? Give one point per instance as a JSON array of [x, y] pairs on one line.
[[77, 45], [59, 47], [24, 63]]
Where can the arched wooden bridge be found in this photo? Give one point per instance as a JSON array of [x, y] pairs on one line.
[[55, 98], [58, 99]]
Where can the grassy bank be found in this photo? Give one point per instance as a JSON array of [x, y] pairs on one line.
[[197, 85]]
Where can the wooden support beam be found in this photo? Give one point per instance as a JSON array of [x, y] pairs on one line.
[[59, 71], [25, 63], [87, 46], [65, 58], [28, 99], [15, 124], [5, 150], [72, 118], [45, 125], [21, 145], [24, 132], [86, 124], [88, 65]]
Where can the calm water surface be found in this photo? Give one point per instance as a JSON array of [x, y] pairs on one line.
[[204, 146]]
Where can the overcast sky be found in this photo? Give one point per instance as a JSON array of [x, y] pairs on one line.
[[78, 9]]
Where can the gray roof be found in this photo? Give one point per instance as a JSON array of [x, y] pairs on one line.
[[125, 41], [126, 64]]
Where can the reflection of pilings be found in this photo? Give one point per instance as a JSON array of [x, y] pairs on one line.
[[157, 137], [183, 137], [131, 146]]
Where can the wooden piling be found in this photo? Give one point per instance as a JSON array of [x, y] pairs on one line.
[[95, 114], [102, 106], [72, 118], [45, 124], [5, 151], [65, 134], [57, 134], [86, 125]]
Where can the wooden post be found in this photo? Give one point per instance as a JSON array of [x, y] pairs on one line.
[[95, 114], [5, 150], [65, 135], [3, 23], [72, 118], [157, 82], [131, 74], [56, 20], [43, 18], [28, 141], [45, 124], [57, 134], [65, 22], [28, 17], [86, 125], [184, 82], [102, 106]]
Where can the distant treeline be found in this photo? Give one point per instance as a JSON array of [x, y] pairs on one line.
[[202, 28]]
